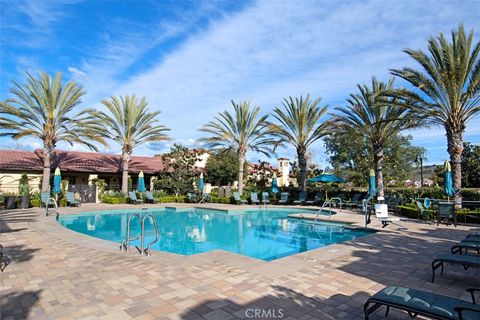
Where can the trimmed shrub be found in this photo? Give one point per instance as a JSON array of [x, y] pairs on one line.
[[35, 203]]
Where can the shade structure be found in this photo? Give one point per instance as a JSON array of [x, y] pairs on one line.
[[274, 183], [447, 179], [141, 182], [57, 179], [200, 183], [372, 190], [326, 178]]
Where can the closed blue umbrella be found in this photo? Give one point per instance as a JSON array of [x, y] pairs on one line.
[[57, 179], [371, 183], [274, 183], [141, 182], [447, 179], [200, 183]]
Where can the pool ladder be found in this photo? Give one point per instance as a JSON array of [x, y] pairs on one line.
[[329, 203], [142, 218]]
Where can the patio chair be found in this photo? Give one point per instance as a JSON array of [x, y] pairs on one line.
[[354, 202], [71, 199], [393, 207], [149, 197], [265, 198], [466, 261], [48, 201], [302, 197], [192, 197], [254, 198], [316, 199], [421, 211], [283, 198], [239, 200], [446, 212], [419, 302], [133, 198]]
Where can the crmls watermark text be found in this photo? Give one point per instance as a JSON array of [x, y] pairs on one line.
[[255, 313]]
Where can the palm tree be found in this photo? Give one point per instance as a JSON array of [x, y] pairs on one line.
[[446, 90], [242, 131], [377, 117], [42, 108], [130, 124], [299, 125]]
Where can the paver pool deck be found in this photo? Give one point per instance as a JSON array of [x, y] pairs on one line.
[[56, 273]]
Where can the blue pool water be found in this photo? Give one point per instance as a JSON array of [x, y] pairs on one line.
[[263, 234]]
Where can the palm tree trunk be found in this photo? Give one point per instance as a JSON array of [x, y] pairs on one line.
[[241, 162], [455, 149], [302, 164], [378, 159], [125, 163], [47, 155]]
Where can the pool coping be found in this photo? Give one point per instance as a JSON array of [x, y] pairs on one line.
[[282, 265]]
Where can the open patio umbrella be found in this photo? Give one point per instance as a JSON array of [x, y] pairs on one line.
[[141, 182], [57, 179], [274, 184], [326, 178], [447, 180], [200, 183], [371, 183]]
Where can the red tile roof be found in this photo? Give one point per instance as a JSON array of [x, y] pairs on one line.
[[75, 161]]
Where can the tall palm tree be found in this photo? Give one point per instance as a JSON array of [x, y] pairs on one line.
[[446, 90], [130, 124], [242, 131], [377, 117], [41, 108], [299, 124]]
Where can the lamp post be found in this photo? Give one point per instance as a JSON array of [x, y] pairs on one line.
[[418, 159]]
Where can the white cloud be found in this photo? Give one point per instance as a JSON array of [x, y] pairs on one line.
[[76, 72]]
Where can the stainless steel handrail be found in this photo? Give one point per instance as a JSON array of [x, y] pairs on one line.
[[149, 245], [329, 203], [125, 244]]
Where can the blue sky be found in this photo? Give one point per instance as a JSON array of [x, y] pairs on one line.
[[190, 58]]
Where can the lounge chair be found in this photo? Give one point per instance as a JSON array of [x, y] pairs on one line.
[[48, 201], [317, 199], [467, 245], [71, 199], [418, 302], [239, 200], [466, 261], [133, 198], [149, 197], [354, 202], [265, 198], [283, 198], [254, 198], [302, 197]]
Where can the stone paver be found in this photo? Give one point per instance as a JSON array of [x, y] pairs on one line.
[[56, 273]]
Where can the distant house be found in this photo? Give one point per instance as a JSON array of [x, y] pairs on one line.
[[79, 168]]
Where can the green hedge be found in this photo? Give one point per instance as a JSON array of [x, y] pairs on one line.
[[226, 200], [35, 203], [412, 212], [179, 199], [114, 200]]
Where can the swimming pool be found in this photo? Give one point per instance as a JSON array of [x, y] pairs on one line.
[[258, 233]]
